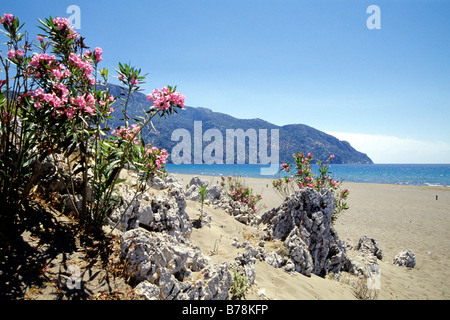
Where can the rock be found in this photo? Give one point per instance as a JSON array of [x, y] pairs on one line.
[[303, 221], [299, 253], [192, 193], [171, 182], [218, 280], [147, 290], [214, 193], [405, 258], [158, 183], [196, 181], [275, 260], [163, 213], [369, 246], [290, 266], [149, 253]]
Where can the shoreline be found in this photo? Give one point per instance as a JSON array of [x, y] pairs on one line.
[[425, 186], [398, 217], [235, 173]]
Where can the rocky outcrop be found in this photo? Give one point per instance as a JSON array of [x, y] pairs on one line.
[[364, 257], [303, 222], [405, 258], [157, 251], [164, 267], [370, 247], [159, 213]]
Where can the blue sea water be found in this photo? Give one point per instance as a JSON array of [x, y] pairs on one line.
[[404, 174]]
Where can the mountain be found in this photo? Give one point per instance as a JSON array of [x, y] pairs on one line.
[[292, 138]]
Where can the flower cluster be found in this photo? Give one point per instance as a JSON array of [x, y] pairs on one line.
[[15, 54], [155, 158], [243, 194], [63, 24], [128, 133], [84, 65], [165, 98], [84, 103], [59, 102], [7, 19], [303, 177], [96, 56]]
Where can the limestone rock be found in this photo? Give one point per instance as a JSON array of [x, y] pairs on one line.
[[303, 221], [163, 213], [148, 290], [369, 246], [299, 253], [405, 258], [148, 253]]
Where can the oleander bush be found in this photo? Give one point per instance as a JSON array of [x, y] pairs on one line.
[[300, 176], [54, 104]]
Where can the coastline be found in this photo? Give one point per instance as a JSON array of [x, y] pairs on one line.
[[398, 217]]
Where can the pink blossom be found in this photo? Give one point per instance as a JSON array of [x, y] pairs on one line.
[[98, 54], [64, 24], [14, 54], [61, 23], [8, 19], [85, 66], [163, 99], [11, 54]]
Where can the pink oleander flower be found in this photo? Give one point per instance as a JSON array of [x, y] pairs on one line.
[[11, 54], [134, 82], [156, 157], [81, 64], [128, 133], [285, 167], [64, 24], [7, 19], [98, 54], [61, 23], [310, 155], [163, 99]]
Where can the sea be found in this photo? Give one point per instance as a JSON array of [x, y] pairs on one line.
[[401, 174]]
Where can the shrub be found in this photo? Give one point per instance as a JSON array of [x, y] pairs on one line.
[[239, 286], [237, 191], [54, 104], [301, 176]]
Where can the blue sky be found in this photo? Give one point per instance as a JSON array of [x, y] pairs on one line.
[[386, 91]]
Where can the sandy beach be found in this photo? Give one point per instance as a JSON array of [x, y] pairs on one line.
[[398, 217]]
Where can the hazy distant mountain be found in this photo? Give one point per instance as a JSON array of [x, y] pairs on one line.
[[292, 138]]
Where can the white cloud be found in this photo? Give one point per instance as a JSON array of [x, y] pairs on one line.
[[390, 149]]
